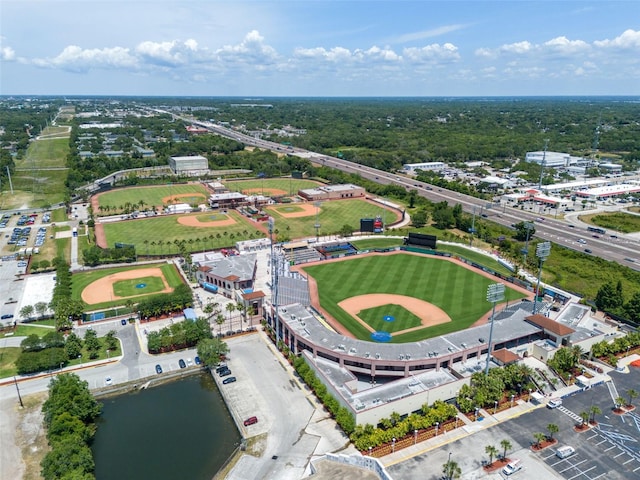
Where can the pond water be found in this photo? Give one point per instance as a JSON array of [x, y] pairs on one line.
[[178, 430]]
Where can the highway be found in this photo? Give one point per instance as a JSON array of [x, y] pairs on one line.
[[617, 248]]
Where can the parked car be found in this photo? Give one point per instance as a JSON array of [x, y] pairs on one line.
[[587, 250], [222, 366], [108, 381], [197, 360], [123, 322], [229, 380], [225, 373], [189, 362], [182, 364], [250, 421], [564, 452], [512, 467], [158, 369], [554, 403], [6, 316]]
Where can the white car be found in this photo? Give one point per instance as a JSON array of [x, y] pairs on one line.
[[554, 403], [512, 467], [189, 362], [108, 381]]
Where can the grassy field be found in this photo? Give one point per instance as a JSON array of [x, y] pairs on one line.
[[115, 200], [458, 291], [402, 318], [289, 185], [8, 357], [31, 329], [332, 216], [129, 288], [45, 153], [81, 280], [37, 188], [618, 221], [160, 235]]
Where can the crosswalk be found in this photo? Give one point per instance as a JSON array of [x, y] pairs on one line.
[[570, 414]]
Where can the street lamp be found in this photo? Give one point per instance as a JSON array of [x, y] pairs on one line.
[[495, 407], [528, 226], [543, 250], [512, 400], [393, 445], [449, 469], [437, 425], [415, 436], [495, 294]]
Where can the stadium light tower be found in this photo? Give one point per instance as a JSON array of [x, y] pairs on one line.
[[274, 280], [495, 294], [543, 250], [543, 163]]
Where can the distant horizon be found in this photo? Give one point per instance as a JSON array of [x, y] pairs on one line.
[[320, 48], [276, 97]]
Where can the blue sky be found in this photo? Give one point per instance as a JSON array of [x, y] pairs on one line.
[[319, 48]]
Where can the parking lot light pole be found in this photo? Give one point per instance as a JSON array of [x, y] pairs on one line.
[[495, 407], [495, 294], [415, 436]]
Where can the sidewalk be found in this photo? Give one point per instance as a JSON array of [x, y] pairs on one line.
[[488, 420]]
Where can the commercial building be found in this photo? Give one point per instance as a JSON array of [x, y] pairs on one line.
[[332, 192], [551, 159], [191, 165], [412, 168]]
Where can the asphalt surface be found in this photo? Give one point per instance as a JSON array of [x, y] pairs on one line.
[[610, 450]]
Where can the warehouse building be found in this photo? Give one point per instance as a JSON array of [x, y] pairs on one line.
[[192, 165]]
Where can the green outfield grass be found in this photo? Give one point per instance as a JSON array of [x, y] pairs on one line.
[[402, 318], [145, 197], [332, 216], [487, 261], [129, 288], [81, 280], [37, 188], [161, 235], [458, 291], [289, 185]]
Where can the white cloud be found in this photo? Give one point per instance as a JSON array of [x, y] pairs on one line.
[[168, 54], [564, 46], [435, 32], [434, 53], [252, 49], [517, 48], [77, 59], [630, 39], [7, 53]]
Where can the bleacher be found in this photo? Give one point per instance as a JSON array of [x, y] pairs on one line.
[[302, 255]]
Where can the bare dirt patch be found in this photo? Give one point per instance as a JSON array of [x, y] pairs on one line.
[[175, 197], [102, 289], [307, 210], [193, 221], [428, 313], [275, 192]]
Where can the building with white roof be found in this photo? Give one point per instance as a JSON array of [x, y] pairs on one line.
[[411, 168], [608, 191]]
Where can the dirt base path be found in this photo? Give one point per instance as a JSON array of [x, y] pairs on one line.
[[192, 221], [307, 210], [102, 289], [428, 313]]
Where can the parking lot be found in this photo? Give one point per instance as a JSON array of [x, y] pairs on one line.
[[611, 450]]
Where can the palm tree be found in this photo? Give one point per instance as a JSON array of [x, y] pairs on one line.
[[553, 429], [451, 470], [632, 394], [540, 437], [585, 417], [506, 445], [219, 321], [230, 308], [620, 402], [492, 451], [146, 244], [594, 410]]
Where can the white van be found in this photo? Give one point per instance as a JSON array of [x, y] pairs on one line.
[[564, 452], [512, 467]]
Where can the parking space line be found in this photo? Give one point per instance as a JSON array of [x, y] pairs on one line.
[[602, 441], [630, 460], [572, 466], [601, 475], [584, 472], [636, 469], [611, 447], [621, 453]]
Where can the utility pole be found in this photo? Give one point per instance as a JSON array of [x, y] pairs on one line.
[[495, 294], [543, 163], [528, 226], [18, 389], [472, 230]]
